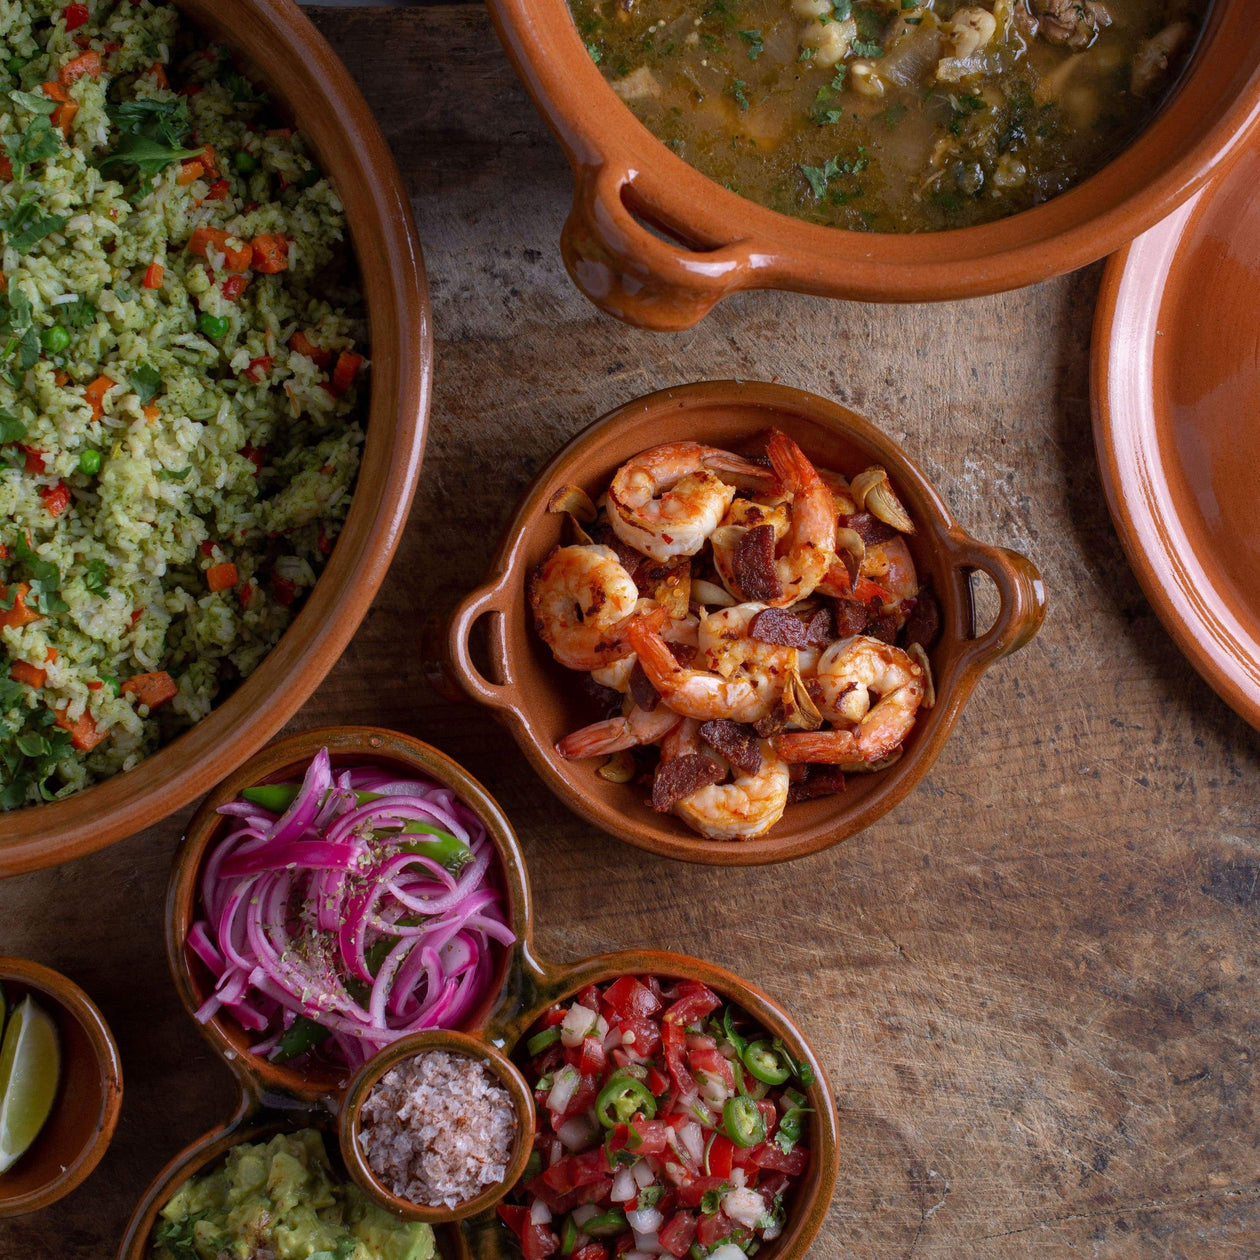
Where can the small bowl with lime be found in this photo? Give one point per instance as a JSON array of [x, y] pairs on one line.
[[60, 1086]]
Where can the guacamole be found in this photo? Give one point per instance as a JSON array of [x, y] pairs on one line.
[[281, 1200]]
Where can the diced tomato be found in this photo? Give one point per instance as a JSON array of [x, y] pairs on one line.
[[56, 498], [674, 1039], [632, 999], [234, 286], [255, 454], [592, 1251], [75, 15], [696, 1001], [218, 190], [348, 365], [591, 1057], [537, 1241], [768, 1155], [769, 1115], [691, 1194], [83, 733], [222, 577], [259, 369], [677, 1234], [95, 395], [712, 1061], [646, 1137], [713, 1229], [34, 459], [235, 258], [721, 1156], [153, 275], [657, 1081], [88, 63], [583, 1098], [595, 1192], [271, 253], [151, 689], [190, 171], [300, 343], [623, 1246]]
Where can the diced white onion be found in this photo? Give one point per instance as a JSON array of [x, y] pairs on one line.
[[612, 1038], [540, 1213], [584, 1213], [577, 1132], [645, 1221], [641, 1255], [624, 1187], [643, 1174], [601, 1027], [562, 1090], [745, 1206], [647, 1244], [692, 1137], [728, 1251], [578, 1021], [713, 1087]]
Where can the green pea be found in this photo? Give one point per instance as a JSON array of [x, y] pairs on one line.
[[214, 326], [54, 339], [90, 461], [244, 162]]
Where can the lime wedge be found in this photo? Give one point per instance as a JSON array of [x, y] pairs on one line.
[[30, 1065]]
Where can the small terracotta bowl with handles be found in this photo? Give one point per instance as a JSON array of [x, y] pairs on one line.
[[89, 1095], [539, 701]]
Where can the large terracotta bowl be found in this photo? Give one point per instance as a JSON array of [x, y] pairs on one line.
[[89, 1097], [626, 183], [300, 69], [539, 701], [275, 1098]]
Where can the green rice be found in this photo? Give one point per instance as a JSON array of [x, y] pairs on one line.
[[229, 469]]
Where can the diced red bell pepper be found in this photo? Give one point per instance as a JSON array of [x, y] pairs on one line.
[[630, 998], [255, 454], [348, 365], [678, 1233], [234, 286], [75, 15], [56, 498], [300, 343], [34, 459], [6, 166], [218, 190]]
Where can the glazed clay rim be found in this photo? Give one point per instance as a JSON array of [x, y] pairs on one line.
[[509, 1076], [301, 68], [739, 244], [62, 991], [528, 688], [288, 758], [1128, 415]]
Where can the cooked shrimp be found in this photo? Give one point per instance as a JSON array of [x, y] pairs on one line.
[[849, 673], [887, 573], [580, 596], [727, 649], [666, 501], [810, 541], [742, 516], [749, 805], [695, 692], [616, 676], [637, 727]]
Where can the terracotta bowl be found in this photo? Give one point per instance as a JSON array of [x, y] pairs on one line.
[[629, 189], [457, 1043], [539, 701], [1175, 394], [286, 760], [89, 1097], [303, 73]]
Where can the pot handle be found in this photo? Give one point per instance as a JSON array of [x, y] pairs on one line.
[[1020, 590], [486, 599], [631, 273]]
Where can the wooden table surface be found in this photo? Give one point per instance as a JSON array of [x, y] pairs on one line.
[[1034, 983]]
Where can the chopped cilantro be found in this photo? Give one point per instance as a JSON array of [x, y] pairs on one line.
[[96, 579], [11, 428], [146, 381], [737, 91], [756, 46]]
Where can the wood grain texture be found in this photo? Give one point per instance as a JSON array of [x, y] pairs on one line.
[[1035, 983]]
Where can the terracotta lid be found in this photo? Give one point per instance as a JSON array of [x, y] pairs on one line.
[[1176, 396]]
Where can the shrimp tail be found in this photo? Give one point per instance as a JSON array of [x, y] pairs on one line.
[[790, 463], [738, 471], [659, 663], [597, 740]]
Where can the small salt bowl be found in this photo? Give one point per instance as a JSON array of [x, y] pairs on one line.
[[353, 1125]]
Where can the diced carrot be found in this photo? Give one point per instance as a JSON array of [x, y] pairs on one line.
[[95, 684], [151, 689], [83, 733], [34, 460], [234, 286], [234, 258], [54, 91], [188, 172], [271, 253], [19, 614], [348, 365], [151, 412], [154, 274], [300, 343], [32, 675], [259, 369], [51, 655], [56, 498], [4, 552], [220, 577], [6, 167], [210, 160], [158, 71], [61, 377], [88, 63], [218, 190], [63, 116], [95, 394]]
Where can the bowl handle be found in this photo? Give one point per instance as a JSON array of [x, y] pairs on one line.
[[486, 599], [628, 271], [1020, 590]]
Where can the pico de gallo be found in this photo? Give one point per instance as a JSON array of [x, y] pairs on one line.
[[669, 1123]]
